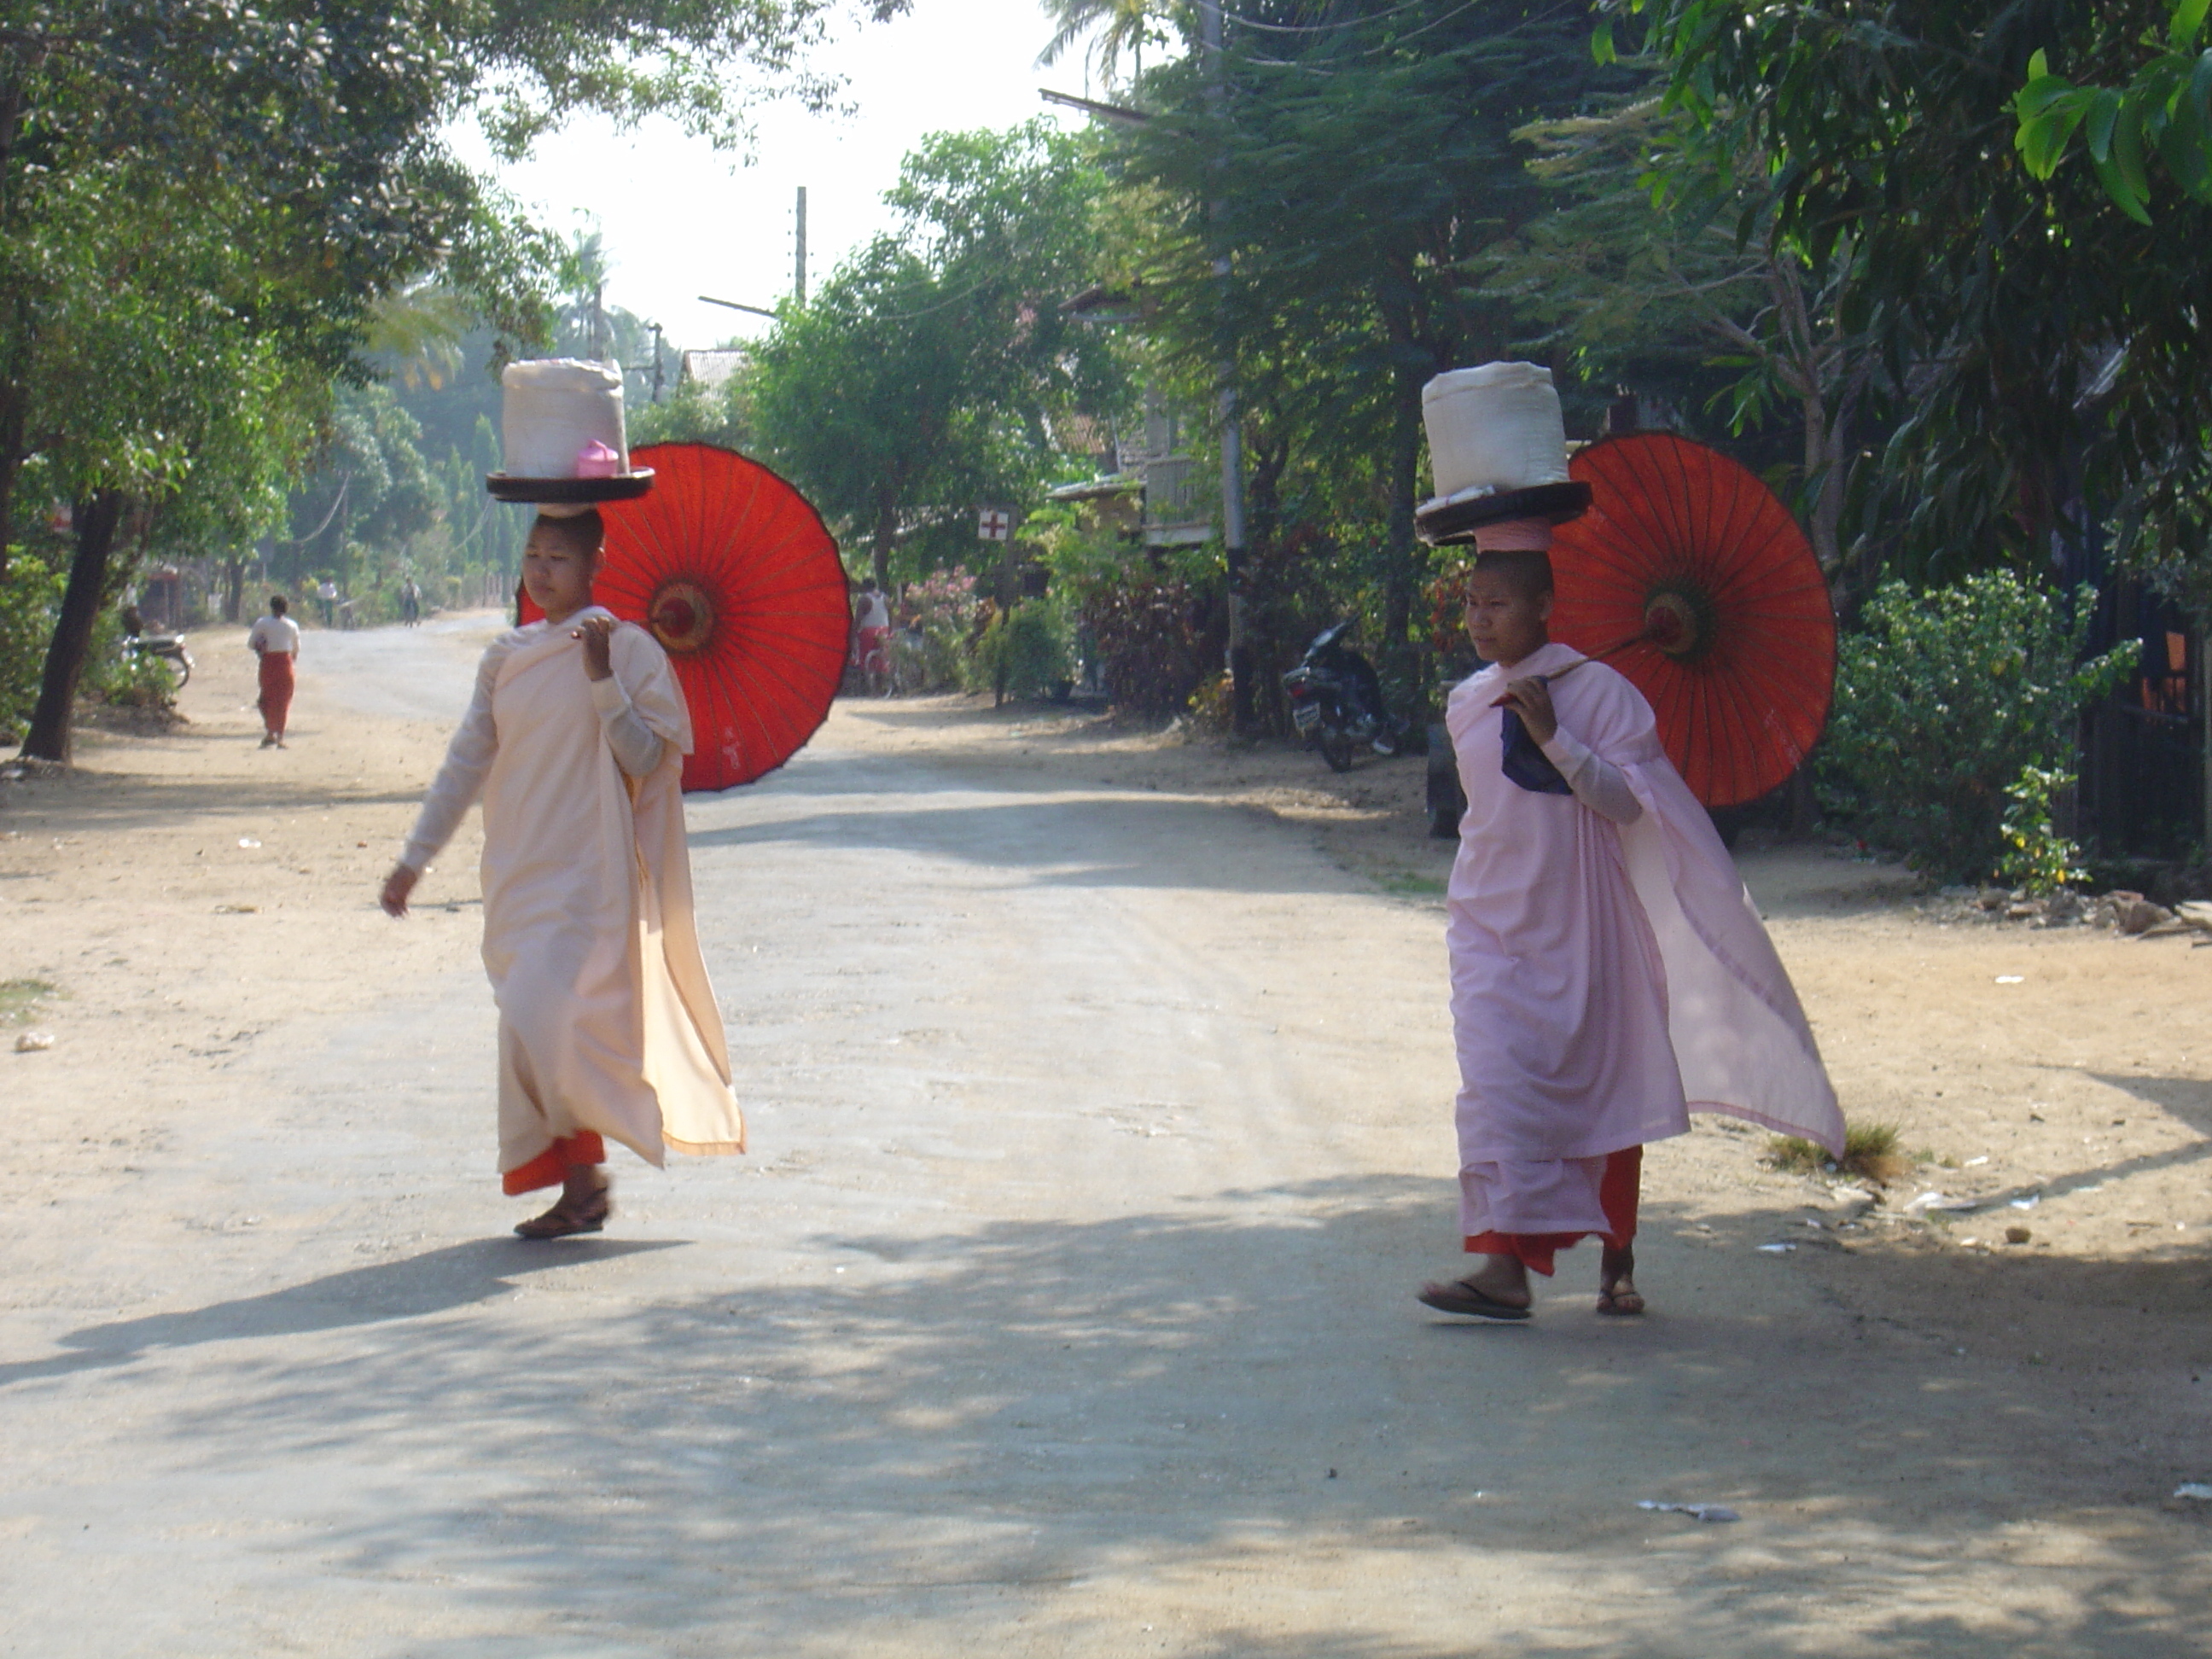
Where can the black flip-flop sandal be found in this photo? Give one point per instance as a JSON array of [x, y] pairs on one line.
[[1461, 1298]]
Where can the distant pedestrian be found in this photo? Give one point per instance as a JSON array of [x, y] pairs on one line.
[[276, 640], [410, 604], [328, 594]]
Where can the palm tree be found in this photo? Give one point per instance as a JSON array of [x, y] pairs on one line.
[[1128, 23], [421, 327]]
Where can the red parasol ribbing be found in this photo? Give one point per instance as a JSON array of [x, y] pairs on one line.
[[1689, 576], [739, 581]]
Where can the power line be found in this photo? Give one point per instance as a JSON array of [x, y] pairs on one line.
[[1323, 28], [737, 305]]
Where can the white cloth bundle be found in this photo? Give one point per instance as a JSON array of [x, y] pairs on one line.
[[1492, 428], [554, 408]]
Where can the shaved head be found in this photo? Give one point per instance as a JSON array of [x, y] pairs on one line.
[[582, 534], [1528, 571]]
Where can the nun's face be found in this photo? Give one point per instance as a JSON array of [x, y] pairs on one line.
[[556, 576], [1505, 622]]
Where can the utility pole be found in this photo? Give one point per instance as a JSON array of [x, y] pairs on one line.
[[656, 362], [598, 321], [799, 276], [1240, 687]]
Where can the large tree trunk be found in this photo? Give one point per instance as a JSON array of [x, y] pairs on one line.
[[1264, 524], [1400, 550], [96, 520], [886, 537], [234, 588]]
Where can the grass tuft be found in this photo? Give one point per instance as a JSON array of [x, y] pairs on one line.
[[1870, 1152], [19, 996]]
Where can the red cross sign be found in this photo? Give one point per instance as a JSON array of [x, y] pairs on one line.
[[993, 524]]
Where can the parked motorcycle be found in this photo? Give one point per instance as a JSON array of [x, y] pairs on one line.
[[1336, 701], [169, 648]]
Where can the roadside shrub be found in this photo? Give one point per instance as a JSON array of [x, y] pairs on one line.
[[1022, 653], [1213, 706], [2036, 856], [1155, 648], [120, 678], [1944, 700], [30, 598], [934, 649]]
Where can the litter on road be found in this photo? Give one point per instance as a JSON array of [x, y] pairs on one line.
[[1696, 1511]]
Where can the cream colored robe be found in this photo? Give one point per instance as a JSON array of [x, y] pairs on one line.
[[607, 1019]]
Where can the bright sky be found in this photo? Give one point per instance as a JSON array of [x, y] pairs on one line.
[[679, 220]]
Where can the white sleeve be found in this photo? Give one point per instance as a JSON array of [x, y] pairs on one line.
[[638, 746], [461, 778], [1598, 784]]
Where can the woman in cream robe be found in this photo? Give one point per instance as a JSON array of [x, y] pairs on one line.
[[608, 1028]]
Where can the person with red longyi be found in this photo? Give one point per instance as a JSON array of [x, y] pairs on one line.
[[274, 639], [1609, 973]]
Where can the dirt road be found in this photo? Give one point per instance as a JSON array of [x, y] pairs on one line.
[[1099, 1091]]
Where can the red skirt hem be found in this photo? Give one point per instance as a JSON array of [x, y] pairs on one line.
[[550, 1167], [1618, 1192]]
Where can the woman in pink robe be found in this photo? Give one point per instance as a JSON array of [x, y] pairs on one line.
[[1609, 973]]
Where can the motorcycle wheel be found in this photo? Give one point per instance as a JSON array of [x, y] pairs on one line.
[[1335, 748], [180, 669]]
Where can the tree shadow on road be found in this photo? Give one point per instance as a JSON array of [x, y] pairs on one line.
[[1094, 1416]]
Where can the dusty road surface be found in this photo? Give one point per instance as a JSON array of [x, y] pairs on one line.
[[1099, 1091]]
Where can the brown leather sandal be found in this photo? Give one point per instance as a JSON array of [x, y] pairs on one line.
[[565, 1218]]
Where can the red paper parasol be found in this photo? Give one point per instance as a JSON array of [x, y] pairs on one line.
[[740, 582], [1689, 576]]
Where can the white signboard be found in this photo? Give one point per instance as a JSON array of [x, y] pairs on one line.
[[993, 524]]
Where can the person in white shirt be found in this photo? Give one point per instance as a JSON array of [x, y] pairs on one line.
[[276, 640], [872, 635]]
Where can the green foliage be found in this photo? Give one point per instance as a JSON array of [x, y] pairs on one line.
[[924, 378], [2164, 112], [1022, 653], [695, 413], [30, 595], [122, 678], [2037, 857], [1316, 222], [2033, 339], [1944, 700], [203, 205], [934, 653]]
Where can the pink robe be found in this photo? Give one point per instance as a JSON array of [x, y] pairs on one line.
[[1607, 978]]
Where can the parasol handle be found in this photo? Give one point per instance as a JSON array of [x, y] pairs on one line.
[[1595, 656]]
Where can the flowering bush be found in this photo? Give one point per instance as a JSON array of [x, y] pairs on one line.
[[2036, 856], [1944, 700], [942, 609]]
